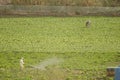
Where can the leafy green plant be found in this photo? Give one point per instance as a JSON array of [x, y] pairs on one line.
[[86, 52]]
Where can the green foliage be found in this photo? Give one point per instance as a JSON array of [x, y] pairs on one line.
[[86, 52], [76, 66], [50, 34]]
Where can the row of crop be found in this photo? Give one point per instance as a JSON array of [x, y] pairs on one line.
[[10, 63]]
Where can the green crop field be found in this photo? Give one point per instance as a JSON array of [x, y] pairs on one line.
[[80, 53]]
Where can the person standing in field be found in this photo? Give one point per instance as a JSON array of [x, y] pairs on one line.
[[22, 63], [88, 23]]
